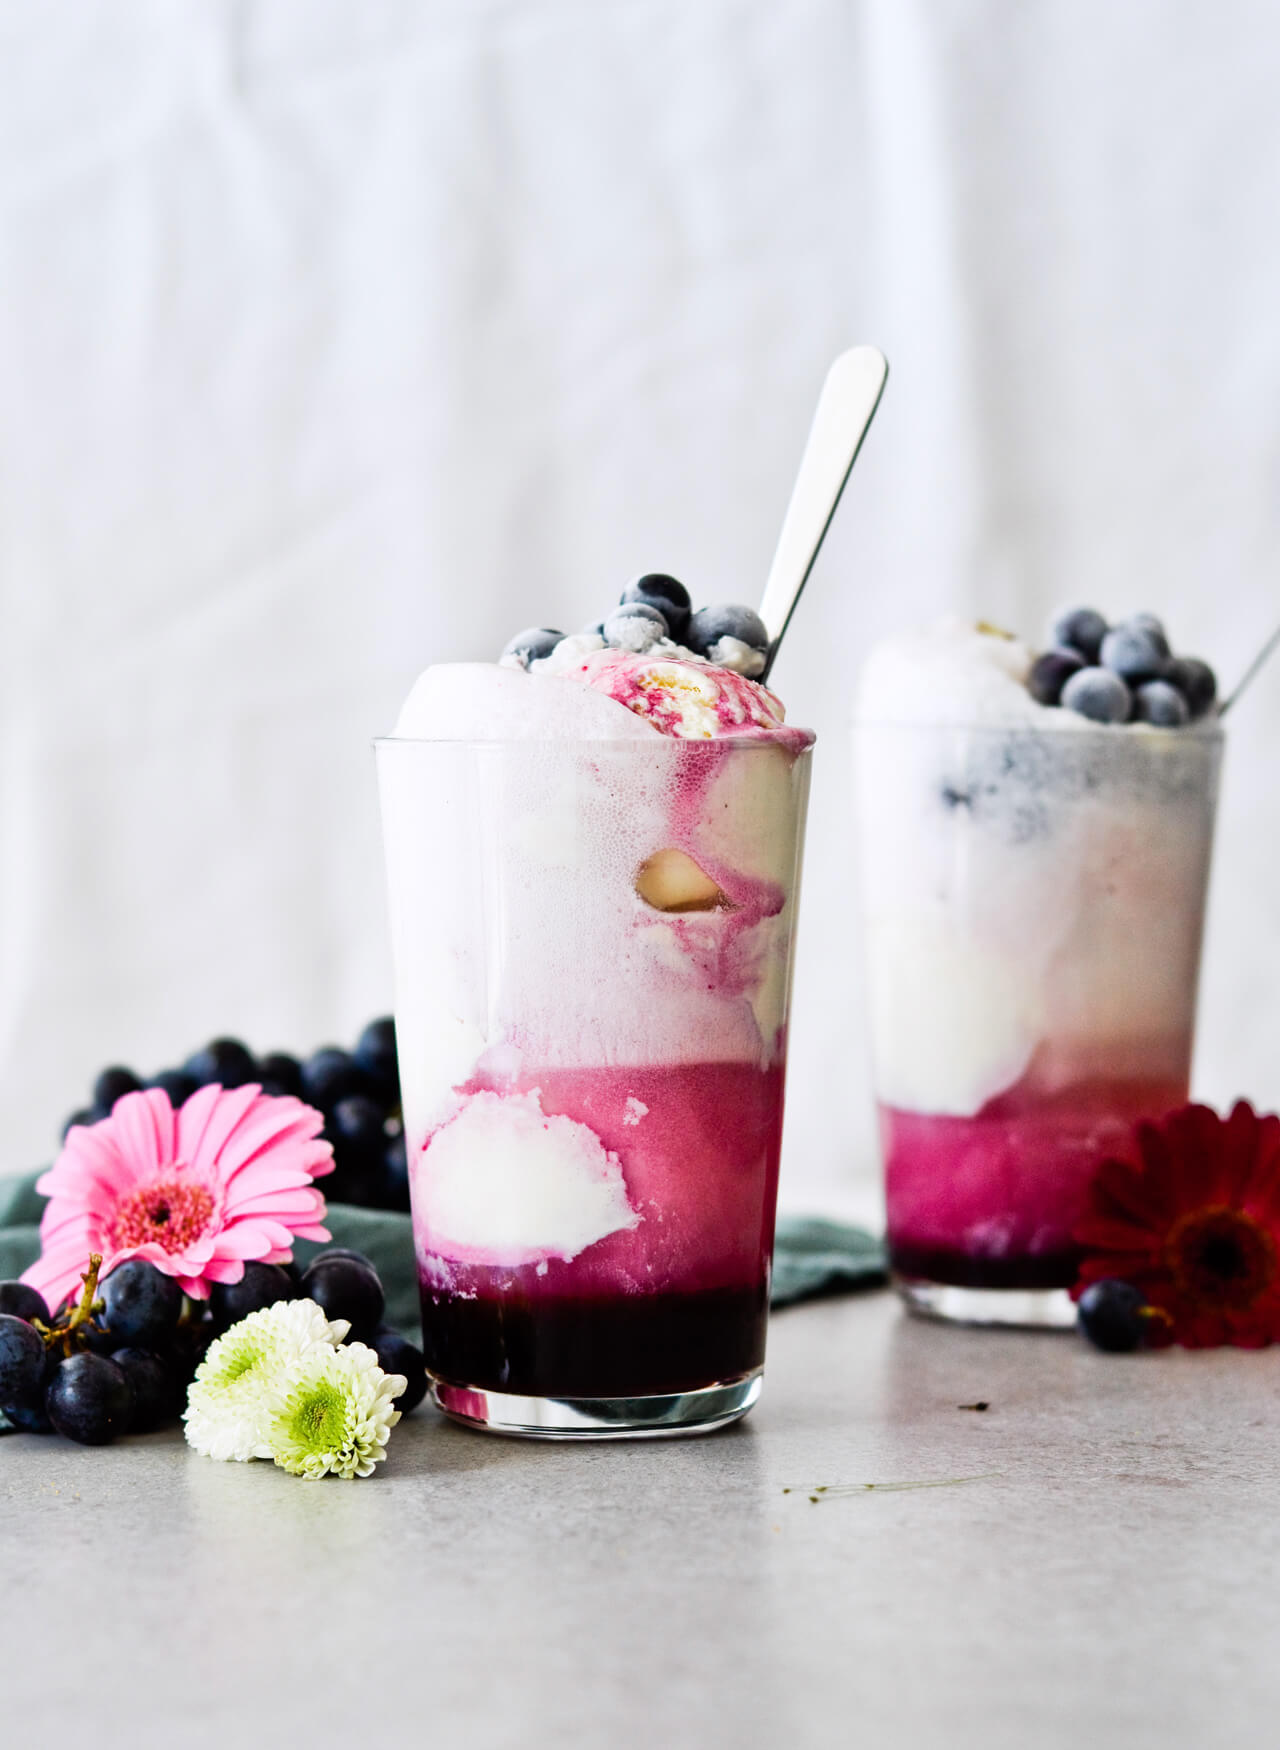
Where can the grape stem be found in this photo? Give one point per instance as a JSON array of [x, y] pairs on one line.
[[68, 1334]]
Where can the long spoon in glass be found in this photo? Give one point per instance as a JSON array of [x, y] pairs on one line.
[[846, 407]]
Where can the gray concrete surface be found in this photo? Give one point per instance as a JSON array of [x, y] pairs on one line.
[[1109, 1578]]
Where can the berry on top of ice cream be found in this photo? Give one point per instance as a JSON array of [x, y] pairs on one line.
[[655, 616], [691, 675], [1121, 674], [956, 672]]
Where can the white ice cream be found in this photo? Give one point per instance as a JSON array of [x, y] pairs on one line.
[[503, 1181], [950, 672], [1032, 882]]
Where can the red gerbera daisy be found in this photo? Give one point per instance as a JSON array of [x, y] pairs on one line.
[[1193, 1220]]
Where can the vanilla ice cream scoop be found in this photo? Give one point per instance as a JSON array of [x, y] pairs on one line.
[[696, 701]]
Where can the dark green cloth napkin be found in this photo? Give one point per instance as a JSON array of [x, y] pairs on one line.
[[812, 1256]]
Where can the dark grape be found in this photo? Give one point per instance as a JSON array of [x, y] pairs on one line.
[[281, 1074], [23, 1302], [330, 1075], [89, 1400], [113, 1084], [397, 1355], [86, 1115], [141, 1304], [393, 1190], [30, 1418], [376, 1054], [346, 1288], [187, 1350], [261, 1285], [154, 1392], [177, 1083], [357, 1130], [23, 1361], [226, 1061]]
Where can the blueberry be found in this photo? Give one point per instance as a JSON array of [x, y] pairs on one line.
[[261, 1285], [330, 1075], [728, 621], [154, 1392], [397, 1355], [1099, 694], [89, 1400], [594, 630], [532, 645], [636, 628], [177, 1083], [22, 1361], [1081, 629], [225, 1061], [113, 1084], [1196, 681], [281, 1074], [346, 1288], [376, 1054], [656, 590], [140, 1304], [86, 1115], [1151, 623], [1159, 703], [1135, 653], [1111, 1315], [1051, 672], [20, 1301]]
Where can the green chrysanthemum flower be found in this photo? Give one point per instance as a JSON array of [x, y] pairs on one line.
[[332, 1412], [225, 1406]]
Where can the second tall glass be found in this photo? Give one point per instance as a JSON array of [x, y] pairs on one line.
[[593, 959], [1034, 901]]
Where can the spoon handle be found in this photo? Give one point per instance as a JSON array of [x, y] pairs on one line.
[[1272, 643], [846, 408]]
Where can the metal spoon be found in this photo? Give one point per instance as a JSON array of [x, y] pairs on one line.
[[1271, 644], [846, 408]]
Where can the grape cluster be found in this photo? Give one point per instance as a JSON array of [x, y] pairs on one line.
[[357, 1091], [120, 1360]]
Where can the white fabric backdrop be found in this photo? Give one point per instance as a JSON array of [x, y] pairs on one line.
[[338, 339]]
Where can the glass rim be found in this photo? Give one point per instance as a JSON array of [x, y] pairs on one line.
[[620, 745], [1203, 732]]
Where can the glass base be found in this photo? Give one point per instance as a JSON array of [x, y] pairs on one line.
[[647, 1418], [1044, 1309]]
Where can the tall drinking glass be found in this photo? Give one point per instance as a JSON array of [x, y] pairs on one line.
[[592, 948], [1034, 902]]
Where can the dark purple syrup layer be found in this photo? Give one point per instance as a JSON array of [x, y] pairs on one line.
[[1056, 1269], [631, 1345]]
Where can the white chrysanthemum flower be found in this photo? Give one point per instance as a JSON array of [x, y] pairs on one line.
[[227, 1398], [332, 1412]]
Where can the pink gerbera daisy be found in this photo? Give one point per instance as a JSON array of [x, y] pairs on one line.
[[197, 1191]]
